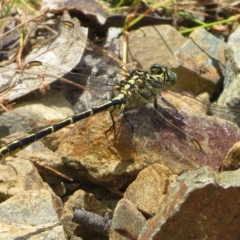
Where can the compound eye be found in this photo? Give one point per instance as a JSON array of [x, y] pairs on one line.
[[156, 69], [172, 77], [132, 72]]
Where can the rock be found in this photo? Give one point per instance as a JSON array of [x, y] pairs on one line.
[[229, 178], [42, 111], [201, 63], [127, 221], [32, 212], [59, 189], [48, 163], [230, 95], [45, 231], [232, 159], [91, 151], [209, 131], [233, 43], [149, 188], [113, 159], [72, 187], [159, 43], [17, 177], [199, 205], [229, 98]]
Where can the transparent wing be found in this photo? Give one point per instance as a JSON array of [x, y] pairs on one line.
[[97, 72], [93, 79], [59, 52], [201, 106]]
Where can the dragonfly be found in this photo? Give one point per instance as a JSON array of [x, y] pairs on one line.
[[121, 90], [138, 88]]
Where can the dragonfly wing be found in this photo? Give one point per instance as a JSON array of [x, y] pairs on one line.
[[64, 52]]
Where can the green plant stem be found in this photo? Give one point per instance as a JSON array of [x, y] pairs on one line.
[[27, 6], [181, 13], [144, 14], [206, 25], [7, 11]]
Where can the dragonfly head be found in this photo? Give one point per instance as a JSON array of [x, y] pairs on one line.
[[169, 76]]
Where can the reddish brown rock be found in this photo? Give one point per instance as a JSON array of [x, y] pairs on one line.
[[201, 203], [113, 158], [232, 159], [149, 188], [127, 221]]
